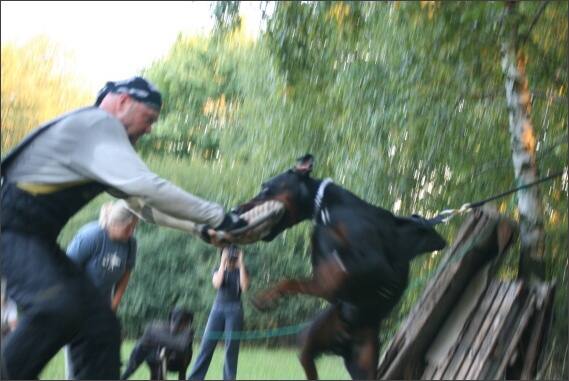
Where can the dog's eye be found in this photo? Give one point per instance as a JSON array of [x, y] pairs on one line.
[[264, 188]]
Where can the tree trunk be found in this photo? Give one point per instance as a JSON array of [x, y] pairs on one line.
[[532, 236]]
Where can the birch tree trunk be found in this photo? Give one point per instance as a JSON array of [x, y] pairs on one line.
[[522, 139]]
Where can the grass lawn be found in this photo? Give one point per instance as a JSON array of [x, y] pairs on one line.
[[255, 363]]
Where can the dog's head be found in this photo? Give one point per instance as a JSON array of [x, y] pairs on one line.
[[290, 193], [179, 319]]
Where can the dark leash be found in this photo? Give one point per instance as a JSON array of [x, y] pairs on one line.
[[443, 216], [446, 215]]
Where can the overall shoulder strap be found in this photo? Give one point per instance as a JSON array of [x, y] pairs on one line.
[[132, 247], [9, 158]]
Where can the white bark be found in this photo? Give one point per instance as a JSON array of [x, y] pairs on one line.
[[522, 139]]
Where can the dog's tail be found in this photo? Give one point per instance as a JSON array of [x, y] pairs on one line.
[[416, 236]]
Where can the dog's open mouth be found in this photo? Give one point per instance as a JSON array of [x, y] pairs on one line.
[[261, 219]]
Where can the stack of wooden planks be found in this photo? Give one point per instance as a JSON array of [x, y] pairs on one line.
[[468, 325]]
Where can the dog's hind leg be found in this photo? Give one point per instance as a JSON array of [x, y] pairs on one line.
[[155, 371], [184, 364], [306, 359], [363, 356], [326, 334]]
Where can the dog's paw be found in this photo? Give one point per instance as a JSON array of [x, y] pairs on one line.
[[263, 302]]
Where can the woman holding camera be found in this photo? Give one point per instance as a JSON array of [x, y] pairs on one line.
[[226, 315]]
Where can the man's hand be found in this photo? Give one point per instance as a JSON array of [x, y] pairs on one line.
[[231, 222], [219, 236]]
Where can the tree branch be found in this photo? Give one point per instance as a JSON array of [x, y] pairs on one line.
[[533, 22]]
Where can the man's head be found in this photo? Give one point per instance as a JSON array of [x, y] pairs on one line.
[[136, 102], [138, 88]]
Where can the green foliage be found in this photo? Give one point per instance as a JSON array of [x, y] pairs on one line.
[[227, 17], [38, 83], [199, 85]]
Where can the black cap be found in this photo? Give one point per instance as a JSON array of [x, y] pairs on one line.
[[138, 88]]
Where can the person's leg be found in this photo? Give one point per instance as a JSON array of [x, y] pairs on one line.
[[95, 349], [46, 285], [57, 300], [215, 323], [233, 330]]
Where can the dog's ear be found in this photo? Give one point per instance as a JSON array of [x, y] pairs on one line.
[[304, 165], [170, 315]]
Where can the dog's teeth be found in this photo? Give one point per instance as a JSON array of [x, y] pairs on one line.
[[261, 214]]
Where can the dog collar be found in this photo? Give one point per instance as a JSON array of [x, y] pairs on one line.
[[319, 197]]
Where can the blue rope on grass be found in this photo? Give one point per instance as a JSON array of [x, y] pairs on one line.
[[248, 335]]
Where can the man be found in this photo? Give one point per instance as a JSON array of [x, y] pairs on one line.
[[50, 176]]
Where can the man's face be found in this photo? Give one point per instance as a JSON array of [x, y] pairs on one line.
[[138, 120]]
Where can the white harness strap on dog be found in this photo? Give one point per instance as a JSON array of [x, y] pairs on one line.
[[318, 202]]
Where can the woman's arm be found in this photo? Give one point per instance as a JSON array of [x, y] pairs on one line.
[[120, 287], [244, 280], [217, 279]]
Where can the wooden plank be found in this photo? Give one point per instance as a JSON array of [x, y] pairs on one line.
[[484, 237], [495, 366], [487, 344], [496, 353], [540, 330], [450, 335], [457, 356], [477, 332]]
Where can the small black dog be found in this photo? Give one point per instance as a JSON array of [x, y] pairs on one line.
[[155, 354], [360, 263]]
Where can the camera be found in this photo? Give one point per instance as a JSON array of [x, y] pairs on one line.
[[232, 253]]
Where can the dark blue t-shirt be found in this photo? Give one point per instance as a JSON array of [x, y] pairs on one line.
[[230, 290], [104, 260]]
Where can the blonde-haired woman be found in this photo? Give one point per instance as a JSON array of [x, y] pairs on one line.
[[106, 251]]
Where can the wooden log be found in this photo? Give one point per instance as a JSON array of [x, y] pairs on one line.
[[540, 330]]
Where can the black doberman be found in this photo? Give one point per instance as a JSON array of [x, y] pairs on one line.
[[146, 350], [360, 257]]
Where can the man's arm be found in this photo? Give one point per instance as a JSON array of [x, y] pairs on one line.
[[106, 155], [156, 217]]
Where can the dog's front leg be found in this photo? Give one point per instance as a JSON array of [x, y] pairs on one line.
[[268, 299]]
